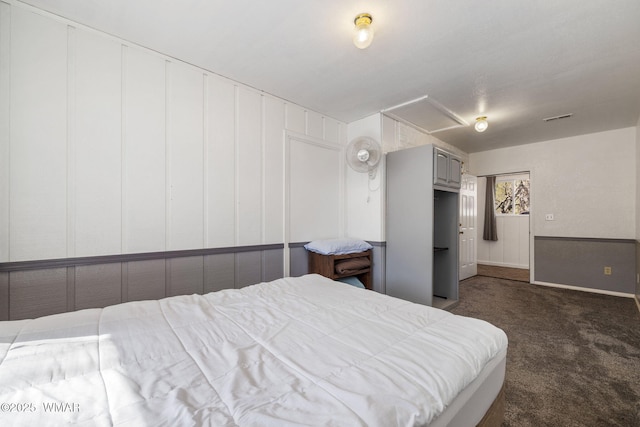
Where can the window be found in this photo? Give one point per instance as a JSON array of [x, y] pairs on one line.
[[512, 197]]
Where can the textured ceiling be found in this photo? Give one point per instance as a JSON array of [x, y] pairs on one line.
[[516, 62]]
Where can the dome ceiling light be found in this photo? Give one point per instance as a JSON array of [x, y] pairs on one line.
[[363, 32], [481, 124]]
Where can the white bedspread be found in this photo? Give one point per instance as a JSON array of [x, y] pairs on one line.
[[303, 351]]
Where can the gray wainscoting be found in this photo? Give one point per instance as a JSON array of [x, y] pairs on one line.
[[298, 259], [4, 296], [637, 279], [38, 288], [580, 262], [299, 263]]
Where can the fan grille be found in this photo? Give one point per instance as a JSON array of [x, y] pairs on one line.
[[363, 154]]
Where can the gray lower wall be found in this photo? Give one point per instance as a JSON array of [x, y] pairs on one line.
[[580, 262], [299, 263], [27, 291], [39, 288], [637, 278]]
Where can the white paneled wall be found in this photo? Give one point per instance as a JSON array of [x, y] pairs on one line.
[[220, 181], [38, 137], [365, 197], [248, 167], [109, 148], [96, 182], [5, 91], [512, 247], [315, 178], [185, 159], [144, 189], [273, 167]]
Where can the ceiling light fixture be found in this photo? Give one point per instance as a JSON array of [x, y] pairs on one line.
[[364, 33], [481, 124]]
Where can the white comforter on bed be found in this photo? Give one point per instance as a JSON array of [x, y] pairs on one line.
[[296, 351]]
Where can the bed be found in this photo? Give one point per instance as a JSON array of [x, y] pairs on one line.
[[295, 351]]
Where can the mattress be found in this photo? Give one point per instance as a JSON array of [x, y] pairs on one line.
[[295, 351], [470, 405]]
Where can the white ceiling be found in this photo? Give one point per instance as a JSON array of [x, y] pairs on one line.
[[514, 61]]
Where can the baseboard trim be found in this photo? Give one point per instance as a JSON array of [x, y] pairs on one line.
[[637, 299], [592, 290]]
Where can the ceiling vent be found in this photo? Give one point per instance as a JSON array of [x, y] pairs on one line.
[[563, 116], [426, 114]]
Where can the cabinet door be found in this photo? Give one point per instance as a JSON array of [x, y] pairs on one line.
[[440, 167], [455, 171]]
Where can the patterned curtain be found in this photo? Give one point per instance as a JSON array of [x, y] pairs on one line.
[[490, 232]]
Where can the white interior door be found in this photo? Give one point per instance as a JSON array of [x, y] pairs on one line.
[[468, 227]]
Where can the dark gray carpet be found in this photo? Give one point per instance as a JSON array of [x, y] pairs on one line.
[[573, 358]]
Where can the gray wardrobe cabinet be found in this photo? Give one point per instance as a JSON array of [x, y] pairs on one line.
[[447, 170], [422, 225]]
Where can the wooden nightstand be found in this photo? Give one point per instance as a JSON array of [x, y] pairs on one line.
[[325, 266]]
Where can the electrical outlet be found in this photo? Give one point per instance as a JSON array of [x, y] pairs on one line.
[[548, 217], [607, 271]]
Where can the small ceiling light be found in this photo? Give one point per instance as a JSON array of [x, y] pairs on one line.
[[481, 124], [364, 33]]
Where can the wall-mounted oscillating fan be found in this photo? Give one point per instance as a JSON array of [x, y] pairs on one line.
[[363, 155]]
